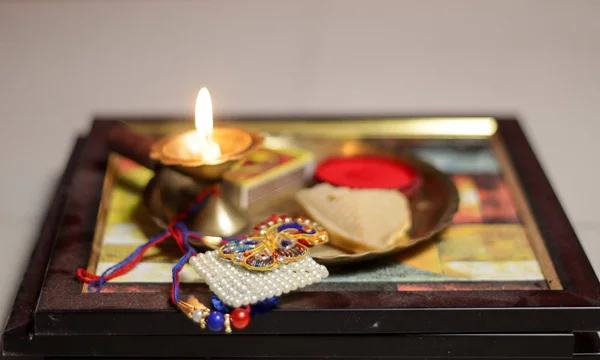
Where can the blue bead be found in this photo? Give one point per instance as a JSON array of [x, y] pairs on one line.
[[215, 321]]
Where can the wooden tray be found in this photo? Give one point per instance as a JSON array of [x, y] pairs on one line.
[[566, 299], [53, 317]]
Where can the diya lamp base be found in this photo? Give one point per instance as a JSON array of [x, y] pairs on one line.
[[171, 192], [219, 218]]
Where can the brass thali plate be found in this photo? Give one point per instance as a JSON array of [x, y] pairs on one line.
[[432, 207]]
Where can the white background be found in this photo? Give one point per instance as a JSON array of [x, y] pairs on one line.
[[62, 62]]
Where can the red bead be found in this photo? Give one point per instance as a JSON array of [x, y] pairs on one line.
[[240, 318]]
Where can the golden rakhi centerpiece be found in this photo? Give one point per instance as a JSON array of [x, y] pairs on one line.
[[205, 154]]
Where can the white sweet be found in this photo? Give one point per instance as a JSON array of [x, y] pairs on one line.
[[237, 286]]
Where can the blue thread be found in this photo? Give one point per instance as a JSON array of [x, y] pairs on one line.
[[260, 307], [273, 302], [180, 226], [198, 206], [183, 260], [219, 305], [96, 285], [264, 306]]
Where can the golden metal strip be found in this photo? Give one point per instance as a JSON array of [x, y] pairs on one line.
[[531, 228], [396, 128], [450, 127], [107, 187]]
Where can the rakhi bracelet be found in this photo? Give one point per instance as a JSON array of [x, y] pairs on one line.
[[247, 274], [251, 273]]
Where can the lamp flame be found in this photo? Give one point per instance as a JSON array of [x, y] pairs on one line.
[[204, 113], [200, 142]]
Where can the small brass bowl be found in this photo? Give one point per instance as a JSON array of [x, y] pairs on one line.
[[235, 144]]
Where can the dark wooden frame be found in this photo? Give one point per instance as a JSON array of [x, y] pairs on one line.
[[575, 307]]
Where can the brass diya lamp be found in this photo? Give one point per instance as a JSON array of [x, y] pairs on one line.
[[188, 162]]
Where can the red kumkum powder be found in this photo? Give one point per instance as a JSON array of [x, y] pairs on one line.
[[369, 172]]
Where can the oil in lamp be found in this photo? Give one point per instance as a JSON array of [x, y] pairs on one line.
[[204, 155]]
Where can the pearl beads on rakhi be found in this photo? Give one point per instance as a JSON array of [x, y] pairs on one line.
[[237, 286], [248, 276]]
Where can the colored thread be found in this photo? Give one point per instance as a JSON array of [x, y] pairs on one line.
[[96, 282], [182, 261], [177, 230], [219, 305]]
